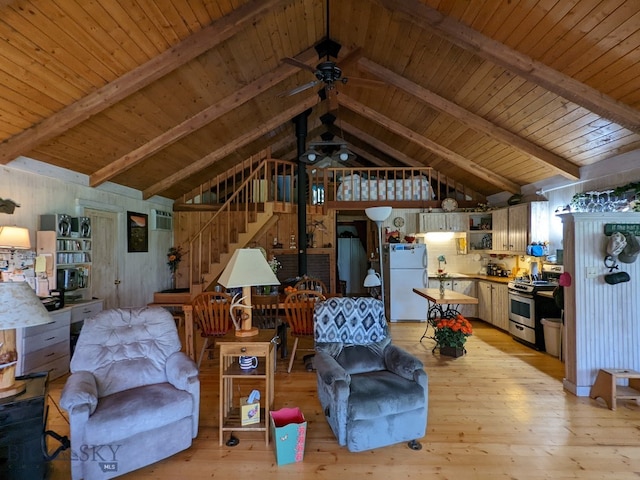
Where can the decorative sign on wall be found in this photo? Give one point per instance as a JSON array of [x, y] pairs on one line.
[[633, 228]]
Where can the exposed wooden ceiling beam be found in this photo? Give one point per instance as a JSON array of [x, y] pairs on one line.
[[199, 120], [230, 147], [380, 145], [548, 159], [132, 81], [448, 155], [526, 67]]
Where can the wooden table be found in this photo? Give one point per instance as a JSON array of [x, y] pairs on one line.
[[442, 306]]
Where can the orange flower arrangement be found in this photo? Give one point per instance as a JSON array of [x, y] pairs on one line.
[[453, 332]]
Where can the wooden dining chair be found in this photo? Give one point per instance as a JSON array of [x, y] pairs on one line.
[[311, 283], [213, 317], [298, 307], [266, 316]]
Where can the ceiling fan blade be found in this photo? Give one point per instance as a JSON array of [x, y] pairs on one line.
[[299, 64], [299, 89], [364, 82]]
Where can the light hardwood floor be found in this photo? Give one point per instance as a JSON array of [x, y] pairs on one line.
[[497, 413]]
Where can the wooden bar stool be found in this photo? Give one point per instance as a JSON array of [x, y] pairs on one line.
[[606, 386]]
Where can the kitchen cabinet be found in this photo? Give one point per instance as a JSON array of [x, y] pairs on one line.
[[443, 222], [493, 304], [500, 219], [468, 287], [480, 231], [516, 227]]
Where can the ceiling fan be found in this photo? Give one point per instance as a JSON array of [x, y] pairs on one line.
[[328, 73]]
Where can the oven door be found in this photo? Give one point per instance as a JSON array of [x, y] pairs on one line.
[[522, 309], [522, 318]]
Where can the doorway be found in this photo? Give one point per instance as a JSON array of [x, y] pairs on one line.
[[105, 275]]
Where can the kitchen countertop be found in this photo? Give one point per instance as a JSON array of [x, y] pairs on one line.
[[477, 276]]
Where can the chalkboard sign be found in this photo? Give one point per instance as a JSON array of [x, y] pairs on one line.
[[633, 228]]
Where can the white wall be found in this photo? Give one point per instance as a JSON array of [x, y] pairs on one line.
[[54, 190], [602, 321]]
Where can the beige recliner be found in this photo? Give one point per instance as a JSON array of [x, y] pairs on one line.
[[133, 397]]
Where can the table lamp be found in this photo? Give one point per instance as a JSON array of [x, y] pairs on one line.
[[14, 238], [371, 281], [247, 268], [379, 215], [19, 307]]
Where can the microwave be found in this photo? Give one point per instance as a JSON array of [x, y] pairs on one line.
[[68, 278]]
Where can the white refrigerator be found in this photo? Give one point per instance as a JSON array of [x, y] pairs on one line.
[[405, 268]]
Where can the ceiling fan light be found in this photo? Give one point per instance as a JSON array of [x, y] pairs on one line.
[[310, 155], [344, 154]]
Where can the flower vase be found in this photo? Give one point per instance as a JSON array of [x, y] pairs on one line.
[[452, 351], [173, 280], [441, 289]]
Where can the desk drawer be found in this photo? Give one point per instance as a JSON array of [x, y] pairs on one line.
[[60, 319], [45, 339], [33, 360], [56, 368], [82, 312], [248, 349]]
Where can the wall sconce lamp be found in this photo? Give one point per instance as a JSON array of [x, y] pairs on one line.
[[247, 268]]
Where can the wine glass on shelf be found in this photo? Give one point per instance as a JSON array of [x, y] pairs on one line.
[[591, 205], [608, 204]]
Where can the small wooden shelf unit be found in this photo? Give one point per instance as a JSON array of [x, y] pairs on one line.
[[231, 348], [606, 386]]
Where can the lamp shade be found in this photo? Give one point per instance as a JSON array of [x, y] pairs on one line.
[[20, 306], [372, 279], [15, 238], [378, 214], [247, 268]]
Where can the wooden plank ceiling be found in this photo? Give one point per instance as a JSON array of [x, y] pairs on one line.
[[158, 95]]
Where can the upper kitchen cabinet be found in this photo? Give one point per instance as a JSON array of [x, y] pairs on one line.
[[517, 226], [443, 222]]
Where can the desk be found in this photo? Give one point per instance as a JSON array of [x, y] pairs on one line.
[[442, 306]]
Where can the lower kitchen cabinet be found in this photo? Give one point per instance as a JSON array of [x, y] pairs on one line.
[[468, 287], [493, 304]]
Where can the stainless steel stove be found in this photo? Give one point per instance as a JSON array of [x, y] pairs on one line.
[[529, 302]]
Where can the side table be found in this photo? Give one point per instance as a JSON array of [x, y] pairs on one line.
[[231, 349], [22, 422], [445, 306]]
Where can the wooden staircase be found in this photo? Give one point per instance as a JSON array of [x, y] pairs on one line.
[[245, 205]]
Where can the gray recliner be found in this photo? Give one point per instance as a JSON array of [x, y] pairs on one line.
[[133, 397], [373, 393]]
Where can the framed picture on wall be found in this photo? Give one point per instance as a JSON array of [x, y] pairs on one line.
[[137, 232]]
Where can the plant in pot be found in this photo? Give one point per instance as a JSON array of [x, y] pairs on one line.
[[451, 335]]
